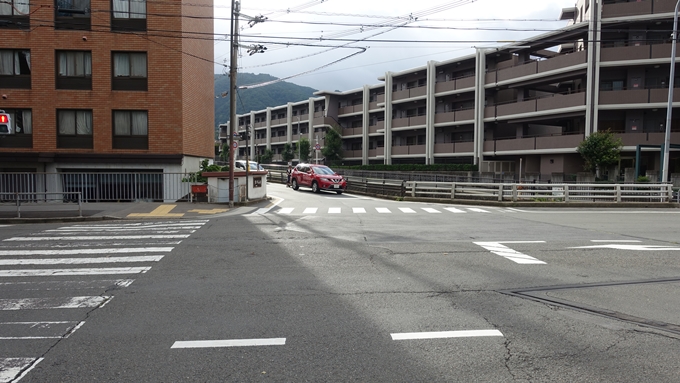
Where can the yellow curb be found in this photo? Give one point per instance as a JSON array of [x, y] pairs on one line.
[[161, 211]]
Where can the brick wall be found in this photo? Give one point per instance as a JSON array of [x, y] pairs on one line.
[[180, 91]]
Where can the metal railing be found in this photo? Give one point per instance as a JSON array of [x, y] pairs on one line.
[[18, 198]]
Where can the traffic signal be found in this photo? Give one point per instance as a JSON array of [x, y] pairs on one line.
[[5, 123]]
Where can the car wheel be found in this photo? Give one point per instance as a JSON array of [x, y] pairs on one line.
[[295, 184], [339, 192], [315, 187]]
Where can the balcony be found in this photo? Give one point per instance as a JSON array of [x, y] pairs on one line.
[[351, 154], [568, 141], [279, 121], [637, 52], [536, 67], [634, 139], [351, 109], [627, 9], [409, 93], [457, 116], [408, 121], [378, 152], [454, 147], [374, 128], [352, 132], [553, 102], [408, 149]]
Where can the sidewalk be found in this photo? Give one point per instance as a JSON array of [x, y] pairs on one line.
[[99, 211]]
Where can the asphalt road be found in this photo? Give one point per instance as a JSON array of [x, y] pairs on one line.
[[337, 288]]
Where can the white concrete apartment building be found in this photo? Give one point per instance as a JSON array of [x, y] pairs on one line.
[[531, 103]]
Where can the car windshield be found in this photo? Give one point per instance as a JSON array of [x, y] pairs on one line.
[[323, 170]]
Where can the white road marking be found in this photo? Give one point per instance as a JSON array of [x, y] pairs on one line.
[[431, 210], [168, 230], [11, 368], [286, 210], [265, 210], [630, 247], [5, 225], [518, 210], [477, 210], [52, 303], [382, 210], [407, 210], [334, 210], [38, 330], [141, 224], [621, 240], [230, 343], [445, 334], [97, 237], [79, 261], [60, 272], [68, 285], [358, 210], [506, 252], [454, 210], [123, 250], [310, 210]]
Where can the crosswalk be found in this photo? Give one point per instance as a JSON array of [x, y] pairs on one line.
[[60, 264], [381, 210]]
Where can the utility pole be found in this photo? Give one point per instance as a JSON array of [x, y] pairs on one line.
[[232, 95]]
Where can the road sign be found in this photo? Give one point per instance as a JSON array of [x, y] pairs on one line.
[[317, 147], [235, 144]]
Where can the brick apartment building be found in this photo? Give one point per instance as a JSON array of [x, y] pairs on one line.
[[106, 85], [527, 105]]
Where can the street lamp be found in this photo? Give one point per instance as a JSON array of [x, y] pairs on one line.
[[669, 112]]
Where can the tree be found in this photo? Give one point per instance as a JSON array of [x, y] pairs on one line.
[[266, 157], [304, 146], [288, 153], [332, 148], [599, 150], [224, 154]]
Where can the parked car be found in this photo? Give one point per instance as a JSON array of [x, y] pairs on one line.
[[254, 166], [317, 177]]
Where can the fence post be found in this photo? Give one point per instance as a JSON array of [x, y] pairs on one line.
[[453, 191], [669, 192], [500, 192], [566, 193], [413, 189], [514, 192], [403, 189], [618, 193], [18, 205], [80, 206]]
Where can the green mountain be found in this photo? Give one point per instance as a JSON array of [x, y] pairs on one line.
[[276, 94]]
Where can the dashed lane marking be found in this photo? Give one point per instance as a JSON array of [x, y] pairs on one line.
[[407, 210], [358, 210], [445, 334], [229, 343]]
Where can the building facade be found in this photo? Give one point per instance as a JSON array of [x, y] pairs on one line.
[[106, 85], [519, 109]]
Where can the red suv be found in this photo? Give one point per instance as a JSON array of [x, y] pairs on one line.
[[318, 177]]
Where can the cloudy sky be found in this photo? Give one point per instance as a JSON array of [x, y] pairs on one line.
[[344, 44]]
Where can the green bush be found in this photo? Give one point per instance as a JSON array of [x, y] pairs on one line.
[[643, 179], [197, 177]]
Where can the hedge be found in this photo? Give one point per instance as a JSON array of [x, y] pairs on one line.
[[414, 167]]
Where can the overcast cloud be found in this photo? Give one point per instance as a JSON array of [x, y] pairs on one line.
[[512, 19]]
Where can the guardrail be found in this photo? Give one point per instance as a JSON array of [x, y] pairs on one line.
[[31, 197], [507, 192]]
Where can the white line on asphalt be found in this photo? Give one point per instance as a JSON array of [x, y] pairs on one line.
[[310, 210], [60, 272], [614, 240], [79, 261], [477, 210], [69, 285], [383, 210], [142, 224], [265, 210], [334, 210], [454, 210], [407, 210], [123, 250], [630, 247], [38, 330], [11, 368], [230, 343], [52, 303], [506, 252], [517, 210], [358, 210], [431, 210], [286, 210], [97, 237], [445, 334], [169, 230]]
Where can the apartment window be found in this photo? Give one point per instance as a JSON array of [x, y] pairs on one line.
[[22, 126], [15, 68], [14, 14], [72, 14], [129, 71], [74, 70], [128, 15], [130, 129], [74, 129]]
